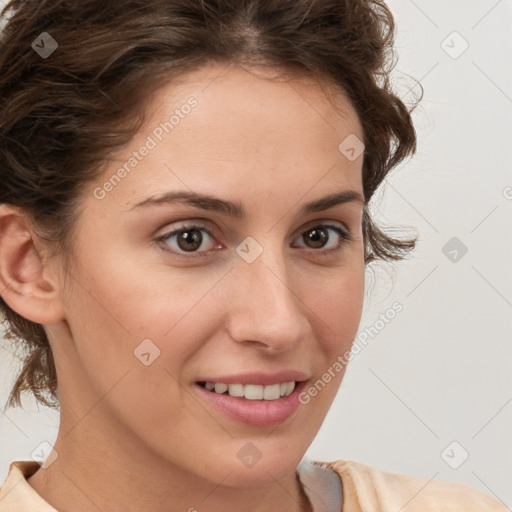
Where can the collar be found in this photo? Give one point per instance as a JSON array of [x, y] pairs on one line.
[[322, 485]]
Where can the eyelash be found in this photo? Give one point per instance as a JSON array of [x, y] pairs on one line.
[[345, 235]]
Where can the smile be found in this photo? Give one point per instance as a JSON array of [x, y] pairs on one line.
[[251, 391], [257, 401]]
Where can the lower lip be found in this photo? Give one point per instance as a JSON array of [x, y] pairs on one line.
[[256, 413]]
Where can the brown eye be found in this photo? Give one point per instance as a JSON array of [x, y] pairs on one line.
[[321, 237], [188, 239], [317, 237]]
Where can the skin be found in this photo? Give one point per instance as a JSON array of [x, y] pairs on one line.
[[135, 437]]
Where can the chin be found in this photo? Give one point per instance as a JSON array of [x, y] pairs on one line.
[[256, 462], [264, 472]]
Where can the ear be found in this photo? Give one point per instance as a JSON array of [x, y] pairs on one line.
[[27, 283]]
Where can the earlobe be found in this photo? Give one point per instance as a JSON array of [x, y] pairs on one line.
[[24, 282]]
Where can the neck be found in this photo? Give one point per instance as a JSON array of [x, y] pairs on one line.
[[102, 467]]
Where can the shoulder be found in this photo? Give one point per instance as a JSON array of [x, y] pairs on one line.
[[370, 488], [16, 494]]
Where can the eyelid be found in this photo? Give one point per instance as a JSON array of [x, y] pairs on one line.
[[186, 227], [344, 233], [336, 224], [339, 227]]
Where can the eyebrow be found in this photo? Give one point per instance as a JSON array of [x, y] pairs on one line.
[[236, 210]]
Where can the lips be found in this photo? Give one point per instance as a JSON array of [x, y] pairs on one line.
[[253, 399]]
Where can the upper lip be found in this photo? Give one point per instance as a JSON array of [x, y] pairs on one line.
[[258, 378]]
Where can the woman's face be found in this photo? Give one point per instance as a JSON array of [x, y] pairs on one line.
[[257, 288]]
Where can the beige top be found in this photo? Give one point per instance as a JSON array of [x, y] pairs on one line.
[[363, 489]]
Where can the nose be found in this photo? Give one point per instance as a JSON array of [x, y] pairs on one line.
[[265, 311]]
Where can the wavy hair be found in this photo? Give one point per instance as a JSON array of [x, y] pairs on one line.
[[61, 116]]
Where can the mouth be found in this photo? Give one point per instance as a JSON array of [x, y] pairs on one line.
[[251, 391], [257, 402]]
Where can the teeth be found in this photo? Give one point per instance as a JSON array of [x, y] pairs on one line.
[[221, 388], [252, 391], [236, 390], [290, 386], [272, 392]]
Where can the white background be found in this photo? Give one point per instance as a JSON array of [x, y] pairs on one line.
[[440, 371]]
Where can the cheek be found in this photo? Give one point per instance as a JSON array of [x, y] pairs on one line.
[[134, 335], [336, 303], [136, 301]]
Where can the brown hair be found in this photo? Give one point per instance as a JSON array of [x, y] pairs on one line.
[[61, 116]]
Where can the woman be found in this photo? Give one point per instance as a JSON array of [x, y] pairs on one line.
[[184, 230]]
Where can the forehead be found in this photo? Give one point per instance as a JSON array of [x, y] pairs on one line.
[[258, 101], [229, 127]]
